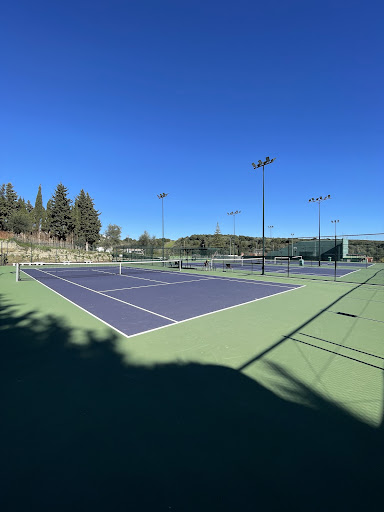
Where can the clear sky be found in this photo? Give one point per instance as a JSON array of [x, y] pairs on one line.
[[131, 98]]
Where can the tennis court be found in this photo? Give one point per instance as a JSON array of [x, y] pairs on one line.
[[143, 296]]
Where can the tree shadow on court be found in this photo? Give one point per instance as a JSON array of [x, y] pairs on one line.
[[82, 429]]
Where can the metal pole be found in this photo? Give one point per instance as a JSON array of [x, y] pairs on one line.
[[234, 225], [234, 231], [161, 196], [335, 252], [319, 238], [234, 234], [288, 261], [262, 265], [335, 222], [162, 215]]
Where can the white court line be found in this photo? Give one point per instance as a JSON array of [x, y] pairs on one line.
[[108, 296], [325, 275], [352, 271], [110, 273], [149, 285], [242, 280]]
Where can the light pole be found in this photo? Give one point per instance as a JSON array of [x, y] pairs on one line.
[[319, 200], [292, 235], [161, 196], [234, 226], [335, 222], [257, 166]]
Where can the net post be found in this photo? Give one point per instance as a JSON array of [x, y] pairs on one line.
[[120, 269], [288, 265], [17, 272], [179, 263]]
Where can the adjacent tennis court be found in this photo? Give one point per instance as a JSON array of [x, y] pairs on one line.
[[143, 296], [280, 266]]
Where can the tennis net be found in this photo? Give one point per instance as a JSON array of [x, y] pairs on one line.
[[286, 259], [236, 264], [69, 269]]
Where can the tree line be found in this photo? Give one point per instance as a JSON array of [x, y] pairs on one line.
[[112, 238], [61, 219]]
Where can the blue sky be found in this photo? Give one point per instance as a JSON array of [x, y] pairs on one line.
[[129, 99]]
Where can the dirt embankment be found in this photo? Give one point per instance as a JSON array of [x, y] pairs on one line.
[[18, 252]]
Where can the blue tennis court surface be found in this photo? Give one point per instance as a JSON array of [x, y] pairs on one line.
[[150, 299]]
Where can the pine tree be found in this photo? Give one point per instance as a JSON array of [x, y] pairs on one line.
[[217, 237], [86, 220], [38, 211], [76, 221], [61, 224], [3, 209], [9, 204], [47, 218], [21, 204], [94, 224]]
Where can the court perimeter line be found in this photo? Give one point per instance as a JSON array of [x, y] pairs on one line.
[[352, 271], [109, 297]]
